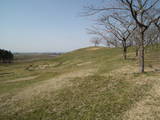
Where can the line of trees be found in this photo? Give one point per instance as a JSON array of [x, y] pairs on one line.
[[6, 56], [127, 23]]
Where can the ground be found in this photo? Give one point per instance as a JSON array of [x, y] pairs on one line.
[[87, 84]]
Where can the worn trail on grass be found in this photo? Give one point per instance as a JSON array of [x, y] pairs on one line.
[[149, 107], [21, 79], [24, 98]]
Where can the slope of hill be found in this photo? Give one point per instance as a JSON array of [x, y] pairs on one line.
[[87, 84]]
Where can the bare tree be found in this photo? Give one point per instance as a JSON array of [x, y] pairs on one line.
[[103, 35], [151, 37], [96, 41], [120, 33], [135, 41], [140, 11], [157, 21], [157, 24], [120, 28]]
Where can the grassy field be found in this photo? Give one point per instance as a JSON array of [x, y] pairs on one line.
[[29, 57], [87, 84]]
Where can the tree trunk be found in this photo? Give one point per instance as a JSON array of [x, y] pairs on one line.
[[124, 50], [95, 45], [136, 52], [159, 29], [125, 53], [141, 52]]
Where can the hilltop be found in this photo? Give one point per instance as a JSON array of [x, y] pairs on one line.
[[92, 83]]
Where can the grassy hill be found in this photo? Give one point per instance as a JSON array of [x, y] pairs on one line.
[[87, 84]]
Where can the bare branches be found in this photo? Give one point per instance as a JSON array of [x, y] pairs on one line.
[[91, 10], [126, 16], [157, 24], [152, 5]]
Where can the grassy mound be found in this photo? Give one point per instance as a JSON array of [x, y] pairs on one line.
[[87, 84]]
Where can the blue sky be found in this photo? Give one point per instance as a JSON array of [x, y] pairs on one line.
[[43, 25]]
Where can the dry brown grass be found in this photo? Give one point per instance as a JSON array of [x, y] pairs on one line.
[[94, 48], [21, 79], [24, 98], [149, 107], [92, 86]]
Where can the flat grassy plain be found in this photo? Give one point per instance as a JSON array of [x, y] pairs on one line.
[[92, 83]]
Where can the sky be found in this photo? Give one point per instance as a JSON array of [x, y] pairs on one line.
[[43, 25]]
